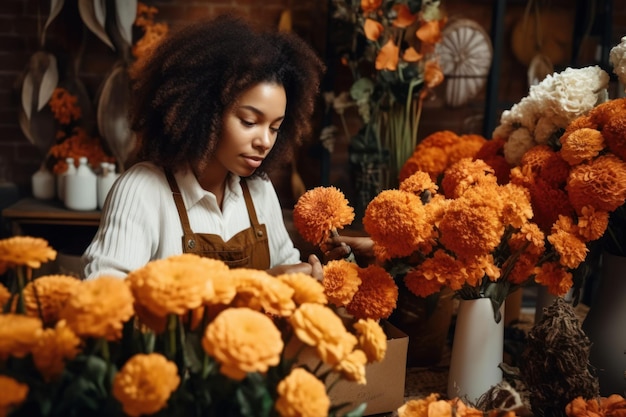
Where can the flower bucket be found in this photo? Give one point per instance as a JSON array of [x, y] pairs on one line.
[[605, 326], [477, 350]]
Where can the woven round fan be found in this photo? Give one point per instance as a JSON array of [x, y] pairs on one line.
[[465, 55]]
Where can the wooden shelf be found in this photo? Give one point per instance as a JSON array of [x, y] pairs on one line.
[[33, 211]]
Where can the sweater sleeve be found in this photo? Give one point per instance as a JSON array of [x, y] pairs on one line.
[[127, 237]]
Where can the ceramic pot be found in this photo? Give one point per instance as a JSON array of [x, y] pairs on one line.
[[43, 184], [477, 350]]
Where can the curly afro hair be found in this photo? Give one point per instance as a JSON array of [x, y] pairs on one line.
[[182, 91]]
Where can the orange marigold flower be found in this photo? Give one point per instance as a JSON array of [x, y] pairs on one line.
[[462, 219], [24, 250], [421, 281], [524, 268], [614, 133], [319, 211], [260, 291], [45, 296], [243, 340], [341, 281], [64, 106], [18, 335], [555, 171], [600, 184], [306, 289], [581, 122], [516, 207], [301, 394], [372, 339], [417, 408], [601, 114], [396, 222], [467, 146], [173, 285], [478, 267], [387, 58], [556, 279], [548, 203], [536, 158], [581, 145], [404, 17], [377, 294], [99, 308], [373, 29], [411, 55], [5, 295], [572, 251], [465, 174], [352, 367], [13, 394], [418, 183], [54, 347], [145, 383], [529, 234], [592, 223], [433, 160]]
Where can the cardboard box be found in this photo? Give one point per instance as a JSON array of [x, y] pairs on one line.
[[384, 391]]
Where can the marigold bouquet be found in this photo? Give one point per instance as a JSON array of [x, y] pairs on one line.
[[180, 336]]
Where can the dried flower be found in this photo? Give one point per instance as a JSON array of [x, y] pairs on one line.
[[301, 394], [145, 383], [319, 211], [243, 340]]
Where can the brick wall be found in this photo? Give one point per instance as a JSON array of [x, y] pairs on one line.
[[19, 21]]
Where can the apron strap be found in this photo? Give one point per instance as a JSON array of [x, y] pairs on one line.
[[254, 222], [180, 204]]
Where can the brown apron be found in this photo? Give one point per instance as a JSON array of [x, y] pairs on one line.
[[247, 249]]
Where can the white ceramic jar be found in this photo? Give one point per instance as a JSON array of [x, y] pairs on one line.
[[43, 184], [71, 170], [81, 188]]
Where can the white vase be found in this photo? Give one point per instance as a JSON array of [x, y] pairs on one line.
[[81, 188], [605, 326], [42, 183], [477, 350], [71, 170]]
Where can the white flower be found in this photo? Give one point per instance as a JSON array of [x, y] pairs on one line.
[[518, 143], [545, 128], [617, 57]]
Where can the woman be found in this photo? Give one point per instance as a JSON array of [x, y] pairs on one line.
[[215, 106]]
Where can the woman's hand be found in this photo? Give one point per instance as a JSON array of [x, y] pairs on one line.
[[339, 247], [313, 267]]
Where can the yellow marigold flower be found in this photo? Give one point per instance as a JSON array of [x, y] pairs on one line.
[[55, 346], [516, 207], [243, 340], [341, 281], [465, 174], [372, 339], [417, 408], [572, 251], [99, 308], [581, 145], [397, 223], [317, 325], [13, 394], [306, 289], [45, 296], [24, 250], [301, 394], [224, 287], [556, 279], [149, 319], [18, 335], [259, 290], [377, 295], [352, 367], [460, 224], [173, 285], [320, 211], [5, 295], [145, 384], [592, 223], [418, 183], [600, 184]]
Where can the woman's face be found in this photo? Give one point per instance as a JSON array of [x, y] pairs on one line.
[[250, 128]]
